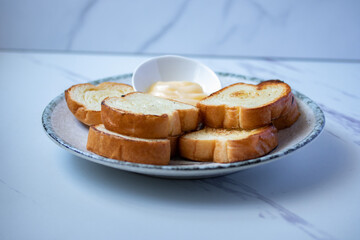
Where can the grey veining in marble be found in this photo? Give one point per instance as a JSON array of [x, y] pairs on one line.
[[304, 29], [79, 22], [145, 46], [244, 192], [73, 76]]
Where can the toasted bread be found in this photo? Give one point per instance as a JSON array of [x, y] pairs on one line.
[[288, 117], [121, 147], [226, 146], [246, 106], [84, 100], [145, 116]]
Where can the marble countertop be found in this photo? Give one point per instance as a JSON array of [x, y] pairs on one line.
[[47, 193]]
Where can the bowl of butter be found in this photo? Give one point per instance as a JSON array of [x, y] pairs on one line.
[[175, 77]]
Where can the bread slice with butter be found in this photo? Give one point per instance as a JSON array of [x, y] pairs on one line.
[[138, 150], [248, 106], [145, 116], [84, 100], [226, 146]]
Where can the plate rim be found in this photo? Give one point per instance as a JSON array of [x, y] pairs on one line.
[[124, 165]]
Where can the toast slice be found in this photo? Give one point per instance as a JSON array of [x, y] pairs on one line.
[[226, 146], [145, 116], [121, 147], [84, 100], [246, 106], [289, 117]]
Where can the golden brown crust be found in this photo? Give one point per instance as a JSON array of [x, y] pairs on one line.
[[189, 119], [122, 148], [289, 117], [80, 111], [136, 125], [146, 125], [174, 145], [197, 150], [84, 115], [256, 145], [212, 115], [259, 143], [223, 116]]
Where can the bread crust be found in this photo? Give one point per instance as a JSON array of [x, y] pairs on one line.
[[289, 117], [147, 125], [259, 143], [173, 145], [224, 116], [80, 111], [125, 149]]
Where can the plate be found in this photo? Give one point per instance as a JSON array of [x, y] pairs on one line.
[[66, 131]]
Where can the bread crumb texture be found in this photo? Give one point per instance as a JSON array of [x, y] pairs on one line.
[[91, 96]]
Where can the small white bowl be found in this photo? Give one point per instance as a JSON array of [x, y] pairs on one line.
[[174, 68]]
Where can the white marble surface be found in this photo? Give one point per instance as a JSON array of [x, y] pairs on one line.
[[281, 28], [47, 193]]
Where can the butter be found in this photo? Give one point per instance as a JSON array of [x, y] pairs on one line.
[[182, 91]]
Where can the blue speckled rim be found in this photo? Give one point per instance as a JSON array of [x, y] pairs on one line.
[[319, 125]]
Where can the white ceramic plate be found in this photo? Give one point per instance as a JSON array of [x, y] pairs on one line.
[[64, 129]]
